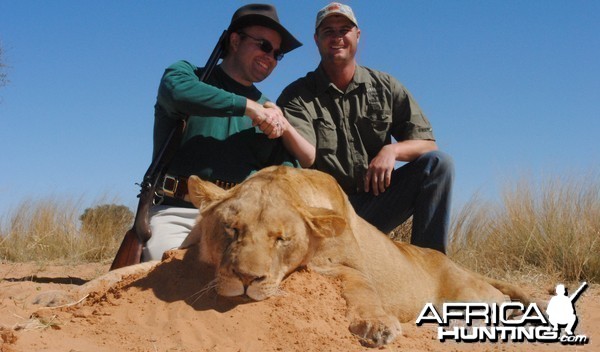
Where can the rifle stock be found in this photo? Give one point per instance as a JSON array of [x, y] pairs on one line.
[[130, 251]]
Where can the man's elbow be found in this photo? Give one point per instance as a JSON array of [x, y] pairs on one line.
[[308, 157], [307, 163], [431, 146]]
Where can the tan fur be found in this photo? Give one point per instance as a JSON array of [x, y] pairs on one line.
[[282, 218]]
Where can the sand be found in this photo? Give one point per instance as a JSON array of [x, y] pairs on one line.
[[168, 310]]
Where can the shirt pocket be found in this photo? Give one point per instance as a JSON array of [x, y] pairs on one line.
[[374, 129], [326, 134]]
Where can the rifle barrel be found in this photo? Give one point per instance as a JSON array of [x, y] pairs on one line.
[[579, 290], [213, 58]]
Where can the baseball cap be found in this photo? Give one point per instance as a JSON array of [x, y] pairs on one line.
[[335, 8]]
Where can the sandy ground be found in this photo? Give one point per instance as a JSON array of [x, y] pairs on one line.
[[167, 310]]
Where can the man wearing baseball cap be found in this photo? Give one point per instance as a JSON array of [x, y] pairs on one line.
[[231, 130], [348, 114]]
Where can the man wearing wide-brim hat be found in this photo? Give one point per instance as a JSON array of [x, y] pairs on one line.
[[231, 129]]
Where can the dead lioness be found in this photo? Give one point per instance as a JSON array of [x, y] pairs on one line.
[[282, 218]]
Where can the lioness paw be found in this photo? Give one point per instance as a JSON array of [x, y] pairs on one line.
[[376, 332]]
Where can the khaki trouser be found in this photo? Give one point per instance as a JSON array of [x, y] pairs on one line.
[[170, 226]]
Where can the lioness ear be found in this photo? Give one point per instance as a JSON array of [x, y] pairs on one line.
[[326, 222], [203, 192]]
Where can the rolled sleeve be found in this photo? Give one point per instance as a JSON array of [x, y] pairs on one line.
[[409, 120]]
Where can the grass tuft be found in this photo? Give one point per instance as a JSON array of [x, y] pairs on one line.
[[549, 229], [49, 230]]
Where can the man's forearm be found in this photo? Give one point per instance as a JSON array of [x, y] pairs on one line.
[[411, 149], [298, 146]]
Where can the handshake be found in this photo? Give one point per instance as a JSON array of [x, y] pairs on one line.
[[268, 118]]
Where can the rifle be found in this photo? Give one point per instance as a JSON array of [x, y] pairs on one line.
[[130, 251], [575, 295]]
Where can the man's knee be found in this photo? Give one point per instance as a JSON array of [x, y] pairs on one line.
[[440, 161], [436, 165]]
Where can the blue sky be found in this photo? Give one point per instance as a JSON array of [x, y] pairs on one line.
[[511, 87]]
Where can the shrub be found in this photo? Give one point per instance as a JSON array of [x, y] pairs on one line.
[[104, 227]]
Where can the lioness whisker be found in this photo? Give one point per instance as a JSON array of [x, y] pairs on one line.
[[209, 287], [276, 291]]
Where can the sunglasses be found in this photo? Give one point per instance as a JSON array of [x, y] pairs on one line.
[[265, 46]]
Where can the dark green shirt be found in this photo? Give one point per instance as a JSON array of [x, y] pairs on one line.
[[219, 142], [349, 128]]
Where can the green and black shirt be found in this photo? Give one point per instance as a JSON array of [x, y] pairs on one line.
[[219, 142]]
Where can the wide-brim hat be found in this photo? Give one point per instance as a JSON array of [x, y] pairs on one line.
[[263, 15]]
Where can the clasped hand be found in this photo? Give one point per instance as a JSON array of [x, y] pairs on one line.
[[268, 118]]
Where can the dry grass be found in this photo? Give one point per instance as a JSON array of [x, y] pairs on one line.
[[539, 231], [552, 229], [49, 230], [39, 230]]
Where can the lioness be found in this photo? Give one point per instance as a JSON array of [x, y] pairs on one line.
[[282, 218]]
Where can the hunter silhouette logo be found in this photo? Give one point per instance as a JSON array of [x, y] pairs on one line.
[[507, 321], [561, 309]]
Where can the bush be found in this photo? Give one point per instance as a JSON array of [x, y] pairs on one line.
[[104, 227]]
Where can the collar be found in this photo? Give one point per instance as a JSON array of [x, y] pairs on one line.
[[233, 86], [323, 83]]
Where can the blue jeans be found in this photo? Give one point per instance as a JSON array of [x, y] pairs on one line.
[[421, 188]]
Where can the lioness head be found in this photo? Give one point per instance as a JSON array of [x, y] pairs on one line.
[[256, 233]]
